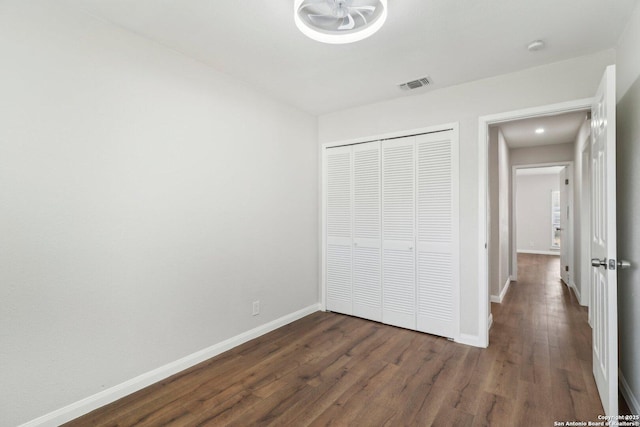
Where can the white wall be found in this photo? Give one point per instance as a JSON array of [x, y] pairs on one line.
[[533, 211], [145, 201], [628, 207], [572, 79], [542, 154], [627, 58]]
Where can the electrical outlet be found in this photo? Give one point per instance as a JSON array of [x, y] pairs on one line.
[[256, 308]]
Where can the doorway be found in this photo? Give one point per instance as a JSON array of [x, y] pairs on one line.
[[543, 214], [603, 278], [539, 153], [496, 168]]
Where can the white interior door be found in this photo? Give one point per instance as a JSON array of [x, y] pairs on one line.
[[339, 201], [603, 242], [367, 236], [437, 236], [398, 228]]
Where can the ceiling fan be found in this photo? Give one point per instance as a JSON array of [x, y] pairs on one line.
[[339, 21]]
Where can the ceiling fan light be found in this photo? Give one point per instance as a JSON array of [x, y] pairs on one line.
[[342, 21]]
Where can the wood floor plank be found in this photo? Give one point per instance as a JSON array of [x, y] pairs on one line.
[[331, 369], [532, 407], [346, 408], [421, 407], [504, 378], [447, 417], [493, 410], [465, 399]]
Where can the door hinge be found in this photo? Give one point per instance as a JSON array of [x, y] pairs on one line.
[[566, 268], [566, 181]]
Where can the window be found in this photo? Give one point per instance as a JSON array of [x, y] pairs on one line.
[[555, 220]]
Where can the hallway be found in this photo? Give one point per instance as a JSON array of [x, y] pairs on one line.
[[542, 338]]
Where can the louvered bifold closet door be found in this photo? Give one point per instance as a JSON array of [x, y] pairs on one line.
[[398, 223], [437, 234], [367, 238], [339, 201]]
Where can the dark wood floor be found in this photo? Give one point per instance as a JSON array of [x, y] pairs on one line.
[[330, 369]]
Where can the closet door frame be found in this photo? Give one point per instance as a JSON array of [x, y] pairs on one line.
[[454, 126]]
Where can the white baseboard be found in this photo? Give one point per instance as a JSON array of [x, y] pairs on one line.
[[472, 340], [505, 288], [536, 252], [114, 393], [576, 292], [582, 299], [631, 399]]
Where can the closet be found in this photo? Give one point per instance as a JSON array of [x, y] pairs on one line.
[[391, 231]]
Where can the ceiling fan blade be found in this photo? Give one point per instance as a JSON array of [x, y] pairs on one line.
[[367, 9], [322, 19], [349, 25], [361, 16], [312, 3], [308, 3]]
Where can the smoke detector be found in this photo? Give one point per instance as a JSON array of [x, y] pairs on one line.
[[536, 45]]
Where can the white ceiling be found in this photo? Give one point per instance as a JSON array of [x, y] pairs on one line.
[[453, 41], [558, 129]]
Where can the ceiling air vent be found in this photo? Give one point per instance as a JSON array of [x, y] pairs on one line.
[[415, 84]]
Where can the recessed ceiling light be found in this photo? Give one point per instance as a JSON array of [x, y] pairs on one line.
[[339, 21], [535, 45], [540, 130]]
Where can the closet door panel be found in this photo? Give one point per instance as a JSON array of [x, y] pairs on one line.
[[398, 219], [367, 274], [437, 235], [339, 226]]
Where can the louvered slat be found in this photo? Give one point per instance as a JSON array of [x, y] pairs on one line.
[[434, 191], [435, 299], [366, 179], [339, 193], [399, 181]]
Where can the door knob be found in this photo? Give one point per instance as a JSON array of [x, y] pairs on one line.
[[612, 264], [623, 264]]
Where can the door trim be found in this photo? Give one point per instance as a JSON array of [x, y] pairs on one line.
[[483, 180]]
